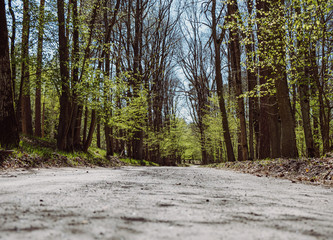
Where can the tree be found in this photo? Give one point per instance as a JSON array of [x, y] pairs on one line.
[[12, 47], [65, 108], [24, 99], [288, 137], [217, 40], [235, 52], [8, 125], [269, 126], [252, 82], [38, 105], [137, 71]]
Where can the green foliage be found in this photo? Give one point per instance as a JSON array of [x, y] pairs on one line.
[[176, 140], [41, 148], [132, 116], [134, 162], [215, 144], [37, 152]]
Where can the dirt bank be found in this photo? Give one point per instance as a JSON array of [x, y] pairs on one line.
[[317, 171]]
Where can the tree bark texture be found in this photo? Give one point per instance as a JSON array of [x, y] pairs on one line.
[[288, 136], [108, 131], [274, 124], [98, 133], [91, 131], [269, 125], [77, 130], [304, 97], [9, 136], [13, 48], [138, 133], [85, 124]]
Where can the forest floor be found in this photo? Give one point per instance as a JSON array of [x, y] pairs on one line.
[[41, 153], [318, 171]]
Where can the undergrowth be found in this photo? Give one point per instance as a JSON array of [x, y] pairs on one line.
[[135, 162], [38, 152]]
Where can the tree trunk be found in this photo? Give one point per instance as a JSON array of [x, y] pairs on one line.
[[85, 124], [264, 150], [288, 136], [219, 84], [138, 133], [237, 77], [304, 76], [65, 108], [12, 49], [73, 121], [107, 98], [269, 126], [251, 83], [98, 134], [26, 114], [38, 105], [91, 131], [325, 108], [108, 140], [274, 126], [313, 68], [9, 136], [253, 102], [204, 157], [77, 131], [43, 121]]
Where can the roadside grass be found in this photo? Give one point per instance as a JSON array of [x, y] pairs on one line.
[[237, 164], [38, 152], [134, 162]]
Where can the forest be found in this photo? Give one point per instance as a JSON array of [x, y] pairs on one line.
[[169, 81]]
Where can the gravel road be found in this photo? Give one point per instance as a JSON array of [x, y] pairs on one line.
[[159, 203]]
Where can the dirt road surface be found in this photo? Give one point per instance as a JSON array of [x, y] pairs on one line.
[[159, 203]]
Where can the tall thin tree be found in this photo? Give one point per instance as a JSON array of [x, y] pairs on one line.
[[64, 117], [25, 102], [235, 52], [217, 41], [38, 105]]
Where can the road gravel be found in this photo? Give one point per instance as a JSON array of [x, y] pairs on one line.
[[159, 203]]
